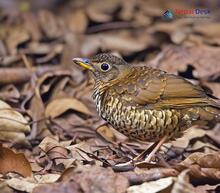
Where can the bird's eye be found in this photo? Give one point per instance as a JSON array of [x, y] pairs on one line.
[[105, 66]]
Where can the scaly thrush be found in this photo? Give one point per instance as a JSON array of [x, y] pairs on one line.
[[145, 103]]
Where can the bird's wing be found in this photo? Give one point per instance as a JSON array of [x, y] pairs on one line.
[[156, 89]]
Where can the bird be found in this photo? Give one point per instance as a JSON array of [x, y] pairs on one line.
[[146, 103]]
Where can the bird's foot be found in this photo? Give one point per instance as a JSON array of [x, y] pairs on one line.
[[130, 165], [122, 167], [147, 155]]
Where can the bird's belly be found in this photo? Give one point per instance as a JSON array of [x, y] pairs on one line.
[[137, 122]]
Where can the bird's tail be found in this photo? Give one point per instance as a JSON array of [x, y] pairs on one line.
[[211, 112], [207, 114]]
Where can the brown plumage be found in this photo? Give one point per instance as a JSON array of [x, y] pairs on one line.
[[146, 103]]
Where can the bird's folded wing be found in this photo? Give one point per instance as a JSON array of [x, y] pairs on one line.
[[168, 91]]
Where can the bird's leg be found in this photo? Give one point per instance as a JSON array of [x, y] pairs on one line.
[[156, 148], [149, 151], [146, 152]]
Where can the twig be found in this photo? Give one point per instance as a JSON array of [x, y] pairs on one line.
[[112, 26], [21, 75]]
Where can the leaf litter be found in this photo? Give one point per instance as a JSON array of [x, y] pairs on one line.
[[52, 138]]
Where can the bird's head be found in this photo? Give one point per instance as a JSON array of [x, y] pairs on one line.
[[105, 67]]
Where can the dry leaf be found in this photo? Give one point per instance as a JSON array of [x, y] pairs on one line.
[[14, 162], [58, 106], [191, 133], [67, 187], [106, 132], [16, 37], [28, 184], [50, 33], [46, 178], [211, 160], [202, 166], [77, 154], [206, 188], [49, 24], [12, 125], [57, 152], [177, 58], [182, 184], [4, 188], [213, 29], [152, 187], [122, 43], [48, 142], [99, 180], [22, 184], [77, 21], [14, 137], [206, 147], [12, 120], [100, 11]]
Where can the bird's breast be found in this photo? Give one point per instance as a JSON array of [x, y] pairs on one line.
[[136, 121]]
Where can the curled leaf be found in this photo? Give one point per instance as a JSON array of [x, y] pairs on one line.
[[153, 186], [58, 106], [12, 124]]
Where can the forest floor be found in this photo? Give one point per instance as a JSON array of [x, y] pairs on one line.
[[52, 138]]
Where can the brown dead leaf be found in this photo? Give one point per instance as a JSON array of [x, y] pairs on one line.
[[206, 147], [14, 162], [177, 58], [99, 180], [66, 175], [67, 187], [9, 93], [206, 188], [4, 188], [48, 142], [46, 178], [214, 134], [50, 38], [49, 24], [16, 37], [100, 11], [211, 160], [127, 11], [14, 137], [202, 166], [3, 50], [37, 110], [12, 125], [22, 184], [31, 25], [106, 133], [123, 43], [157, 186], [213, 29], [57, 152], [190, 134], [58, 106], [86, 147], [182, 184], [29, 183], [140, 175], [53, 148], [199, 173], [77, 21]]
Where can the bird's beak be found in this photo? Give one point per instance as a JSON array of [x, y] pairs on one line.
[[84, 62]]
